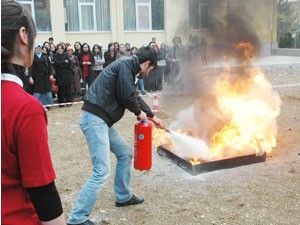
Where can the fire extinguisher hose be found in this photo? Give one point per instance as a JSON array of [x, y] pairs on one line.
[[163, 128]]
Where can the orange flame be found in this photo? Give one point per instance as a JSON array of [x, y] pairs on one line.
[[247, 48], [247, 108]]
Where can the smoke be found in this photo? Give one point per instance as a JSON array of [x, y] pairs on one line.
[[235, 27], [231, 22], [190, 148]]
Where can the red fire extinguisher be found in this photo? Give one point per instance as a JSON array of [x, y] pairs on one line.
[[143, 146]]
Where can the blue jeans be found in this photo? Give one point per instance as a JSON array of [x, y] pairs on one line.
[[45, 98], [101, 140], [140, 85]]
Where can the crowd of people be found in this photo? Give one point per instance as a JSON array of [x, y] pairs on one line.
[[65, 71]]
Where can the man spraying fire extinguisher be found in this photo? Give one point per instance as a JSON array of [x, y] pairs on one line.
[[104, 104]]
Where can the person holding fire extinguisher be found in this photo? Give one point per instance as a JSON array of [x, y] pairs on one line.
[[104, 104]]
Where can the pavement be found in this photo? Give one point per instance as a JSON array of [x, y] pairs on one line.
[[276, 59], [262, 61]]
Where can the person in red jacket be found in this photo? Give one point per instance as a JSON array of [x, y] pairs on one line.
[[87, 62], [28, 191]]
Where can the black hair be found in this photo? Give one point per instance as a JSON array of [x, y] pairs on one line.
[[100, 50], [50, 39], [83, 52], [133, 47], [13, 18], [147, 53], [47, 50], [54, 47], [46, 42], [109, 45], [77, 42], [117, 43], [77, 51], [60, 45]]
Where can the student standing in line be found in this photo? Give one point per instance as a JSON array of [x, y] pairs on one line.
[[77, 48], [116, 47], [28, 192], [109, 55], [99, 61], [64, 76], [77, 74], [41, 74], [122, 51], [86, 59], [127, 46]]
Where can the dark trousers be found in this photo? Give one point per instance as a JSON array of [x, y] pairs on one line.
[[158, 75], [64, 94], [94, 74], [154, 82]]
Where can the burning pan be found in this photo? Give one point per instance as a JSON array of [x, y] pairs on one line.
[[212, 165]]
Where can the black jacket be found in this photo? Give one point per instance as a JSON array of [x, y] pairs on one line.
[[40, 72], [63, 72], [114, 91], [108, 58]]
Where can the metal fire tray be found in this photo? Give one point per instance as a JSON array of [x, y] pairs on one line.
[[212, 165]]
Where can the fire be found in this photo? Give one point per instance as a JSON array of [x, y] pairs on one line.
[[161, 137], [247, 49], [246, 110], [250, 106]]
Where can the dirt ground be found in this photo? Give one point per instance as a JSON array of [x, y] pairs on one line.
[[260, 194]]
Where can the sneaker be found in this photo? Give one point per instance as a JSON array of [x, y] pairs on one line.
[[88, 222], [134, 200]]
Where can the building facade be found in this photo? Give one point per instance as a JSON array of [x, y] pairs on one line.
[[137, 21]]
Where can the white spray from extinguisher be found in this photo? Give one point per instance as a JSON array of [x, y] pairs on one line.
[[155, 103], [194, 148]]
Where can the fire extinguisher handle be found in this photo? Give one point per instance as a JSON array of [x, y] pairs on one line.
[[149, 118], [142, 120]]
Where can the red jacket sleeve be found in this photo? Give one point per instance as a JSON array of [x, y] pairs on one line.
[[32, 147]]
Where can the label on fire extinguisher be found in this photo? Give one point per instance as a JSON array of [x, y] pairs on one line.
[[141, 137]]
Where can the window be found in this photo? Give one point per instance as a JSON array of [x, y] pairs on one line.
[[87, 15], [199, 13], [143, 14], [40, 11]]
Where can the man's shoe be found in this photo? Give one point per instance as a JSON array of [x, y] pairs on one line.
[[134, 200], [88, 222]]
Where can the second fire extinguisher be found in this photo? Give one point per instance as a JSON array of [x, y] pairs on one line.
[[143, 146]]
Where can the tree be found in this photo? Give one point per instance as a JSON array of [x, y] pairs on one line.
[[288, 23]]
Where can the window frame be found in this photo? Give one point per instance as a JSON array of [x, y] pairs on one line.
[[137, 4], [93, 4], [200, 4], [136, 30], [31, 3]]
